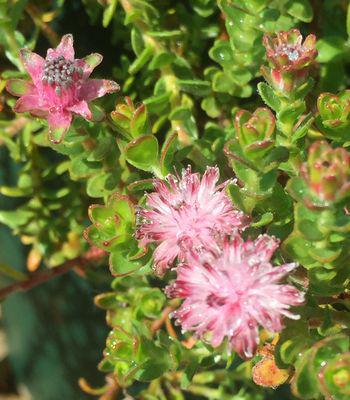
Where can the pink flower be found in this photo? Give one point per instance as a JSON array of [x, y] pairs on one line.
[[290, 59], [60, 86], [190, 211], [286, 50], [230, 292]]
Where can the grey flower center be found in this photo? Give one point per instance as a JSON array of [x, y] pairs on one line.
[[290, 51], [293, 55], [60, 73]]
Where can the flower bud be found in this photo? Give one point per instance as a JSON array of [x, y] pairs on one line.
[[289, 59], [334, 114], [130, 121], [286, 52], [327, 172], [255, 131]]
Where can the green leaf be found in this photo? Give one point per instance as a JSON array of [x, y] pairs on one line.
[[122, 205], [175, 34], [188, 373], [302, 127], [80, 167], [106, 301], [97, 113], [300, 9], [310, 230], [298, 248], [143, 152], [211, 107], [16, 218], [109, 12], [305, 383], [158, 104], [167, 154], [184, 115], [330, 49], [222, 53], [276, 155], [151, 304], [141, 60], [145, 184], [137, 41], [161, 60], [268, 96], [157, 361], [291, 113], [120, 264], [16, 191], [102, 184], [139, 124], [237, 197], [196, 87], [325, 255], [265, 219], [294, 340]]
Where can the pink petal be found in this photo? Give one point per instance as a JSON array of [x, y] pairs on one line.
[[30, 102], [94, 88], [89, 63], [310, 42], [82, 109], [19, 87], [34, 64], [246, 340], [65, 48], [209, 180], [59, 123]]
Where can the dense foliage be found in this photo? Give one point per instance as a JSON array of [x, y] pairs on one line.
[[201, 270]]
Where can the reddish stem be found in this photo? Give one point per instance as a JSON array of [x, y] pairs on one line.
[[45, 275]]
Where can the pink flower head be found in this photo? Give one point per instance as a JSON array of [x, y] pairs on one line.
[[289, 58], [229, 293], [286, 51], [60, 86], [186, 212]]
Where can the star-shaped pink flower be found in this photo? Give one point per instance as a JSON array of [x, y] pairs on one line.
[[60, 86]]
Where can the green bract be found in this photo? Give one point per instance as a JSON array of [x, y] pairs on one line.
[[112, 231], [333, 119]]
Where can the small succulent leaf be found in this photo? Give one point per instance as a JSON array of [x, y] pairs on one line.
[[167, 154], [139, 124], [265, 219], [300, 9], [196, 87], [120, 264], [143, 152], [268, 96], [141, 60]]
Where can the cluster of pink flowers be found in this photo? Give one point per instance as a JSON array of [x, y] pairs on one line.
[[229, 285]]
